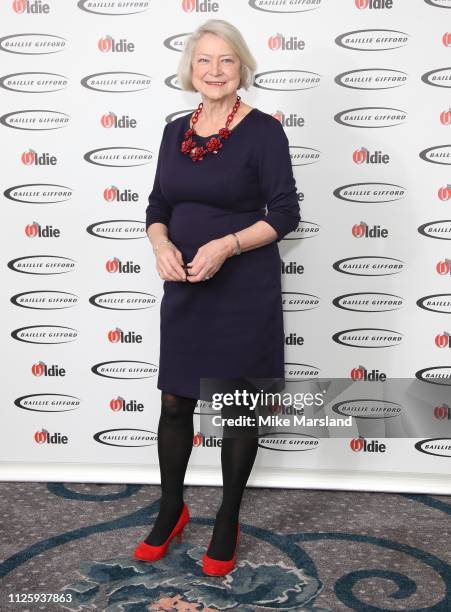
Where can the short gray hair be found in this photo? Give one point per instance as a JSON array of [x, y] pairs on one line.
[[233, 37]]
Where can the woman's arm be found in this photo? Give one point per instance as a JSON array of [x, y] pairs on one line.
[[278, 187]]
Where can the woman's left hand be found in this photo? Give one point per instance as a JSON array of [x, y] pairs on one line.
[[208, 260]]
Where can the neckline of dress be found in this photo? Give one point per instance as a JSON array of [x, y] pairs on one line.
[[232, 130]]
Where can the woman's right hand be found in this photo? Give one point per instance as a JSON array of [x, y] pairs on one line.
[[169, 262]]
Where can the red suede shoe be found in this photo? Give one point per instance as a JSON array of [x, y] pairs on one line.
[[146, 552], [215, 567]]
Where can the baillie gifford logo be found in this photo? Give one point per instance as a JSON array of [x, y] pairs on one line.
[[200, 6], [45, 437], [36, 7], [208, 441], [364, 156], [118, 336], [279, 42], [363, 230], [285, 6], [108, 44], [362, 445], [115, 265]]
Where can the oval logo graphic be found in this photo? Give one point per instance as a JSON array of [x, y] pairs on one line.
[[292, 301], [304, 156], [172, 82], [42, 264], [439, 447], [439, 3], [34, 82], [45, 334], [368, 302], [300, 371], [437, 229], [177, 42], [48, 402], [35, 120], [287, 80], [438, 375], [371, 117], [288, 442], [39, 193], [119, 157], [441, 77], [123, 300], [370, 193], [440, 154], [118, 229], [371, 78], [439, 302], [368, 408], [45, 299], [117, 82], [284, 6], [126, 437], [305, 229], [369, 265], [126, 369], [372, 40], [114, 7], [367, 337], [32, 44]]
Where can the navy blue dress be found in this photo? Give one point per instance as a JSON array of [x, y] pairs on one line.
[[230, 326]]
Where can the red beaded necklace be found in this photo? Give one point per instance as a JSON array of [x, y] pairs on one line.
[[190, 147]]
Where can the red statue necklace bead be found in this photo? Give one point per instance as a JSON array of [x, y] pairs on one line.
[[197, 152]]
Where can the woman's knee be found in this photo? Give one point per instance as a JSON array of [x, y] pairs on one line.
[[177, 407]]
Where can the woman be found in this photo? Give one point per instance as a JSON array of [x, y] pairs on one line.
[[221, 312]]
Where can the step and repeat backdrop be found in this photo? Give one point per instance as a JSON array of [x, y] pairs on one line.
[[362, 89]]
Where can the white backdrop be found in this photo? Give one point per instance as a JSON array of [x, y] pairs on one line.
[[362, 89]]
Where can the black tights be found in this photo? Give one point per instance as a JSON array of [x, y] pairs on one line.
[[175, 442]]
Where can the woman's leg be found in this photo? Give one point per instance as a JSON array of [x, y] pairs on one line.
[[238, 452], [175, 443]]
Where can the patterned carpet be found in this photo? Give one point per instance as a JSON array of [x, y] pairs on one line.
[[300, 550]]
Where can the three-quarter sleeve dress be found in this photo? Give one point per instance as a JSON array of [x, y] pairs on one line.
[[230, 326]]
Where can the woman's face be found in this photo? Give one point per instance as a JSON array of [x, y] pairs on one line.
[[216, 68]]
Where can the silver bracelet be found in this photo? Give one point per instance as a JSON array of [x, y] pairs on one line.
[[237, 250], [155, 248]]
